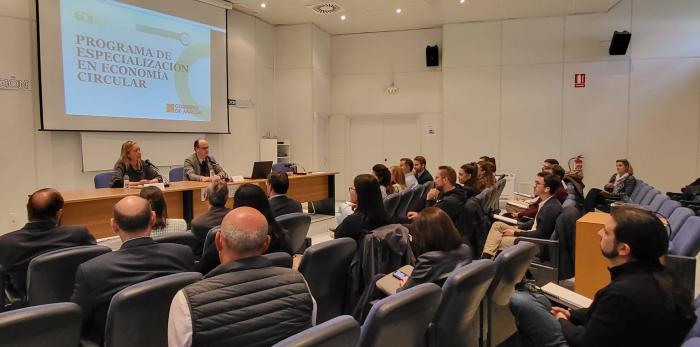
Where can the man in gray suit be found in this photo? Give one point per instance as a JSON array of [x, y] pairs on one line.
[[217, 195], [200, 164]]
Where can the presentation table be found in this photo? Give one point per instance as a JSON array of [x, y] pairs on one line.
[[93, 207]]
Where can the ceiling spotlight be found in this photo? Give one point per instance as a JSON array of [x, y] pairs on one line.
[[462, 1], [263, 5], [398, 10], [343, 17]]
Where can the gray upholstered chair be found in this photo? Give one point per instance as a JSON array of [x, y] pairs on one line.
[[342, 331], [55, 325]]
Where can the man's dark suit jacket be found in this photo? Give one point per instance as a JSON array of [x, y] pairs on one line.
[[200, 226], [424, 176], [281, 204], [19, 247], [546, 219], [138, 260]]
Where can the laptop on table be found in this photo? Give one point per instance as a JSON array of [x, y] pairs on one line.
[[260, 170]]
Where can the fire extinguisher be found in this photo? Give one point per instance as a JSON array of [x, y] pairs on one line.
[[578, 164]]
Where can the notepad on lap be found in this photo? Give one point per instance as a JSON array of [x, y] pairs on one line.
[[504, 219], [568, 297]]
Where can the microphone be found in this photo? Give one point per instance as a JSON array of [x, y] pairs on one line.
[[148, 162], [226, 179]]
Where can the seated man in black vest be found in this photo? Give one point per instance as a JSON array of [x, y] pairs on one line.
[[277, 186], [245, 301], [43, 233], [139, 259], [446, 195], [217, 195]]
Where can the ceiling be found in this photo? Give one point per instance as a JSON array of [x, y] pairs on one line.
[[380, 15]]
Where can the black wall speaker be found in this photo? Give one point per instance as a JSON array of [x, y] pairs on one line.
[[432, 56], [620, 42]]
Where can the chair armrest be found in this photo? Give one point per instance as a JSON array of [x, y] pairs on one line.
[[554, 257]]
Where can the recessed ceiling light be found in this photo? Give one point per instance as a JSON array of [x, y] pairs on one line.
[[263, 5], [398, 10], [343, 17], [462, 1]]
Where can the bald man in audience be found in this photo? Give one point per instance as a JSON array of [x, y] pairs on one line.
[[245, 301], [41, 234], [139, 259]]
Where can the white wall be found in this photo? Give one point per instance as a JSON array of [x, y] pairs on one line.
[[362, 68], [38, 159], [508, 91]]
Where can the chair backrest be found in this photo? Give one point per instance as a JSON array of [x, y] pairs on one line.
[[641, 193], [401, 319], [455, 322], [651, 194], [51, 276], [280, 259], [565, 233], [103, 180], [496, 194], [391, 204], [687, 241], [138, 314], [668, 207], [297, 226], [419, 193], [340, 331], [185, 238], [511, 266], [325, 268], [658, 200], [404, 200], [177, 174], [56, 325], [637, 187], [484, 199], [677, 218]]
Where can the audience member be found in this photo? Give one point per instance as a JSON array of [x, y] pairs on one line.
[[245, 301], [398, 179], [200, 165], [620, 186], [560, 193], [502, 235], [548, 163], [421, 172], [41, 234], [407, 166], [216, 195], [487, 178], [383, 176], [491, 160], [439, 248], [469, 178], [163, 224], [280, 203], [139, 259], [369, 213], [130, 164], [446, 194], [642, 305]]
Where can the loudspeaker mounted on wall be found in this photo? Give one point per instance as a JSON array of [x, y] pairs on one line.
[[432, 56], [620, 42]]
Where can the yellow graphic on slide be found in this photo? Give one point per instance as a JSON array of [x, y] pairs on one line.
[[189, 56]]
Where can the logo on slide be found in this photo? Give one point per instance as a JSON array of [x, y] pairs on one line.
[[179, 108]]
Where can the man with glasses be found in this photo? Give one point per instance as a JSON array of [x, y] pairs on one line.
[[503, 235], [200, 165]]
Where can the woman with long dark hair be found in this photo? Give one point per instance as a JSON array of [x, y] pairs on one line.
[[369, 213], [163, 224], [469, 178], [252, 195], [383, 176]]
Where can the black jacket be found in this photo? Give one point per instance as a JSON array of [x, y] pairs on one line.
[[200, 226], [248, 302], [282, 204], [19, 247], [356, 225], [436, 266], [451, 202], [138, 260], [630, 311], [546, 220], [424, 176]]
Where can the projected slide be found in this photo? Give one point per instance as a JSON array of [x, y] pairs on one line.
[[123, 61]]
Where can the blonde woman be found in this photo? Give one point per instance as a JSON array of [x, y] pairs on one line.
[[398, 179], [130, 163]]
